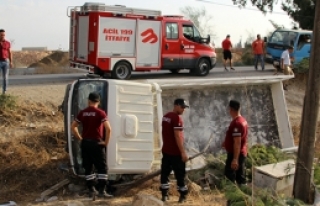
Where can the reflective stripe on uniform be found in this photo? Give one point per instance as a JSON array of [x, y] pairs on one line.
[[184, 188], [102, 176], [165, 186], [90, 177]]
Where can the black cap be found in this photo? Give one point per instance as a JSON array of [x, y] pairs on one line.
[[235, 105], [228, 35], [181, 103], [94, 97]]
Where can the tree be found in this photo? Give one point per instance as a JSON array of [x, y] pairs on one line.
[[300, 11], [302, 182], [275, 25], [201, 19]]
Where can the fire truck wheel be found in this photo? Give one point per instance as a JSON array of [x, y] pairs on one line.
[[122, 70], [175, 71], [202, 68]]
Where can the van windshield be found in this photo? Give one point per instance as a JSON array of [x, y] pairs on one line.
[[284, 38]]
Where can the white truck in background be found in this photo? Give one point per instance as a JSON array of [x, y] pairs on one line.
[[135, 110]]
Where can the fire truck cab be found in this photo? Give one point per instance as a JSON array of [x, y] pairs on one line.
[[118, 40]]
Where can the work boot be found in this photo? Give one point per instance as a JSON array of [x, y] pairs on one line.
[[103, 193], [165, 196], [183, 196], [92, 192]]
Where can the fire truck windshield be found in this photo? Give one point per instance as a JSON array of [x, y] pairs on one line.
[[191, 32]]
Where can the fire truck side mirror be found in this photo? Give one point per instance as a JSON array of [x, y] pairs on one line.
[[208, 39]]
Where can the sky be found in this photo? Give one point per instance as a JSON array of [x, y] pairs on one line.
[[44, 23]]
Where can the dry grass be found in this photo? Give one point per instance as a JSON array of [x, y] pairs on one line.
[[25, 58], [195, 196], [44, 62], [29, 161]]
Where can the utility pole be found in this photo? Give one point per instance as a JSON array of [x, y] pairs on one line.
[[302, 180]]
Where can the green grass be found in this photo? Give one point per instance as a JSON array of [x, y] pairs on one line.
[[8, 102]]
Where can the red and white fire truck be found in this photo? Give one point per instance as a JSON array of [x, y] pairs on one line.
[[117, 40]]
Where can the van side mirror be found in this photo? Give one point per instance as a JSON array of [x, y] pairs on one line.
[[265, 39]]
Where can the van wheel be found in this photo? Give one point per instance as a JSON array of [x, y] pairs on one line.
[[202, 68], [122, 70], [175, 71]]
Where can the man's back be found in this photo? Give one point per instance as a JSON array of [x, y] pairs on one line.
[[92, 119]]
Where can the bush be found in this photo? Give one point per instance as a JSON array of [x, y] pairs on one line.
[[303, 66], [8, 102], [258, 155]]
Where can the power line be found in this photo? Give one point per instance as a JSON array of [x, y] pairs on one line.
[[244, 8], [237, 7]]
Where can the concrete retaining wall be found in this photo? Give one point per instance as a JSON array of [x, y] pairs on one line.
[[263, 105]]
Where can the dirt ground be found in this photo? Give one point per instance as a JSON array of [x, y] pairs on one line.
[[32, 148], [30, 165]]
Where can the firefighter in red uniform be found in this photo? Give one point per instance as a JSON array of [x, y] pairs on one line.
[[174, 156], [93, 144], [235, 144]]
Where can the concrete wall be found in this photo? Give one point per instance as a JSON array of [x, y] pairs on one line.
[[34, 49]]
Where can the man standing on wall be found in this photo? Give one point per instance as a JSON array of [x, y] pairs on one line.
[[93, 121], [174, 156], [226, 46], [257, 48], [5, 59], [235, 144], [286, 65]]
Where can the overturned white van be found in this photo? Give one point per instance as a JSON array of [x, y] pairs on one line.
[[135, 110]]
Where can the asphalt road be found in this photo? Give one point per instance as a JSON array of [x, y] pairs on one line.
[[214, 73]]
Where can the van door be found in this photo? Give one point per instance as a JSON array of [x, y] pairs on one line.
[[171, 46], [302, 47]]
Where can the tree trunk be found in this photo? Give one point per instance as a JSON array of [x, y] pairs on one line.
[[302, 182]]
